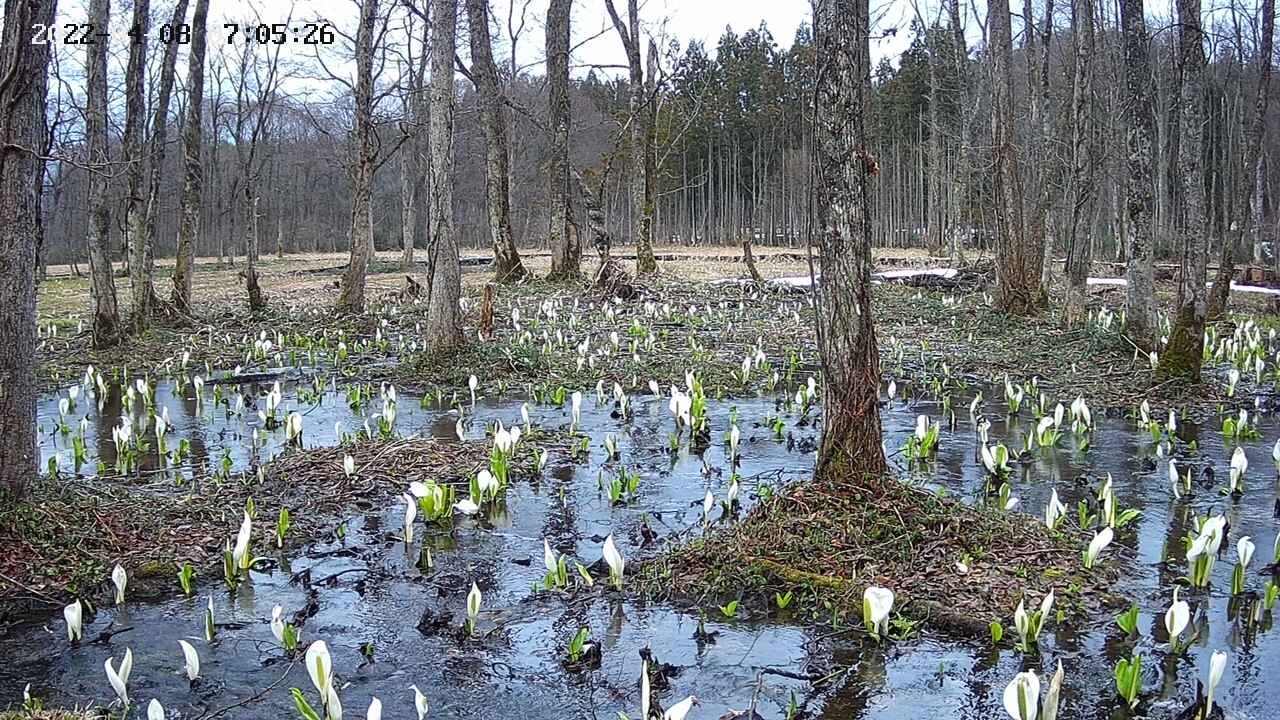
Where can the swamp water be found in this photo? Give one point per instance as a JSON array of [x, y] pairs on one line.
[[379, 594]]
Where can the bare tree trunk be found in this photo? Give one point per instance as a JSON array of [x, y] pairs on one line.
[[749, 259], [1259, 186], [645, 260], [851, 434], [106, 315], [412, 161], [1139, 188], [135, 125], [594, 205], [192, 174], [1247, 175], [279, 238], [158, 146], [362, 166], [1083, 162], [445, 272], [1040, 168], [507, 265], [640, 119], [1183, 355], [1018, 258], [408, 204], [22, 136], [566, 249], [257, 300], [935, 230]]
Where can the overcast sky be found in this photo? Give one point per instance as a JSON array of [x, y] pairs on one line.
[[681, 20]]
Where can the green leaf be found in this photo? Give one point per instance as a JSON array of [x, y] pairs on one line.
[[304, 708]]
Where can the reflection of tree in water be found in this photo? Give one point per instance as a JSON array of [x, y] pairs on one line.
[[868, 680], [106, 419]]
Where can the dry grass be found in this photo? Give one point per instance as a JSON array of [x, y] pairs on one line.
[[48, 715]]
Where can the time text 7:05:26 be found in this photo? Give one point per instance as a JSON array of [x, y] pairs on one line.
[[307, 33]]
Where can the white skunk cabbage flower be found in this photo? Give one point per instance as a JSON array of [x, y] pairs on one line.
[[474, 598], [487, 483], [191, 660], [277, 623], [348, 465], [681, 709], [74, 615], [644, 689], [121, 580], [614, 560], [1099, 543], [1244, 550], [1208, 540], [1217, 664], [375, 710], [240, 553], [410, 514], [419, 702], [731, 496], [1022, 696], [155, 711], [1239, 464], [877, 602], [293, 426], [548, 557], [320, 669], [120, 680], [1054, 511], [1176, 618]]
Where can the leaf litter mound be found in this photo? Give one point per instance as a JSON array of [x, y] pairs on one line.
[[63, 540], [825, 541]]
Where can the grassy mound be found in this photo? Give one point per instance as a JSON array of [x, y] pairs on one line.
[[825, 542]]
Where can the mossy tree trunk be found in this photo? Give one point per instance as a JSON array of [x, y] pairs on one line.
[[22, 131], [1139, 187], [1183, 355], [851, 434], [566, 249]]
